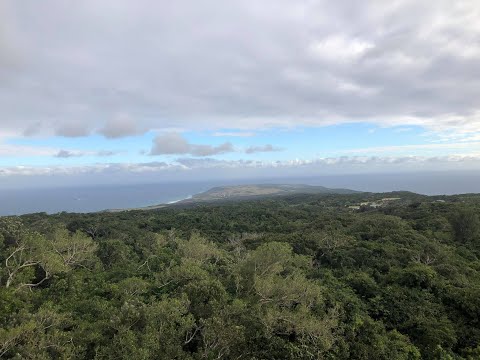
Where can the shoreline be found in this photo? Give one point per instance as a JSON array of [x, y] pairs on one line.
[[148, 207], [176, 201]]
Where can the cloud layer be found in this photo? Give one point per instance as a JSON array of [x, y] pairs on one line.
[[209, 168], [236, 65]]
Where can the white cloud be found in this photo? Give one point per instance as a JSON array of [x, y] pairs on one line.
[[339, 48], [10, 150]]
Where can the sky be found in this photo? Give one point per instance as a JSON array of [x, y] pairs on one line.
[[121, 91]]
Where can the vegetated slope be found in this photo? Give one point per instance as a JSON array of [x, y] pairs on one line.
[[262, 190], [291, 277], [223, 194]]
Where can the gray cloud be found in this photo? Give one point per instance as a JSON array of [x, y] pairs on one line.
[[238, 64], [120, 126], [264, 148], [70, 129], [33, 129], [67, 154], [173, 143], [9, 54], [170, 144], [106, 153]]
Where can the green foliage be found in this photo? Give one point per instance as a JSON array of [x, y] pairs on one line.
[[297, 277], [466, 225]]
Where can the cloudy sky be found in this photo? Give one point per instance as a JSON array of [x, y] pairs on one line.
[[212, 88]]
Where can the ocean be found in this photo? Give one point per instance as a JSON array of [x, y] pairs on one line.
[[93, 198]]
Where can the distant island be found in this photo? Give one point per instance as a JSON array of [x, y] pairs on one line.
[[248, 192], [262, 190]]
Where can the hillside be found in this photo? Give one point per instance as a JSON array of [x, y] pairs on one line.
[[262, 190], [234, 193]]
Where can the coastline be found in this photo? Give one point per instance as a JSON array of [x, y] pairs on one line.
[[176, 201]]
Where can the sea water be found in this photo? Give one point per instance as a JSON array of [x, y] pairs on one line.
[[94, 198]]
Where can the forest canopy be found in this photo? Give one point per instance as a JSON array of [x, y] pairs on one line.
[[295, 277]]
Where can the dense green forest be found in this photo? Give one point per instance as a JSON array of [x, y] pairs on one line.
[[297, 277]]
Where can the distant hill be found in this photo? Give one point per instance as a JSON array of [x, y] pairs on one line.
[[248, 192], [239, 192]]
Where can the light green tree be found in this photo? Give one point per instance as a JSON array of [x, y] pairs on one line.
[[32, 258]]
